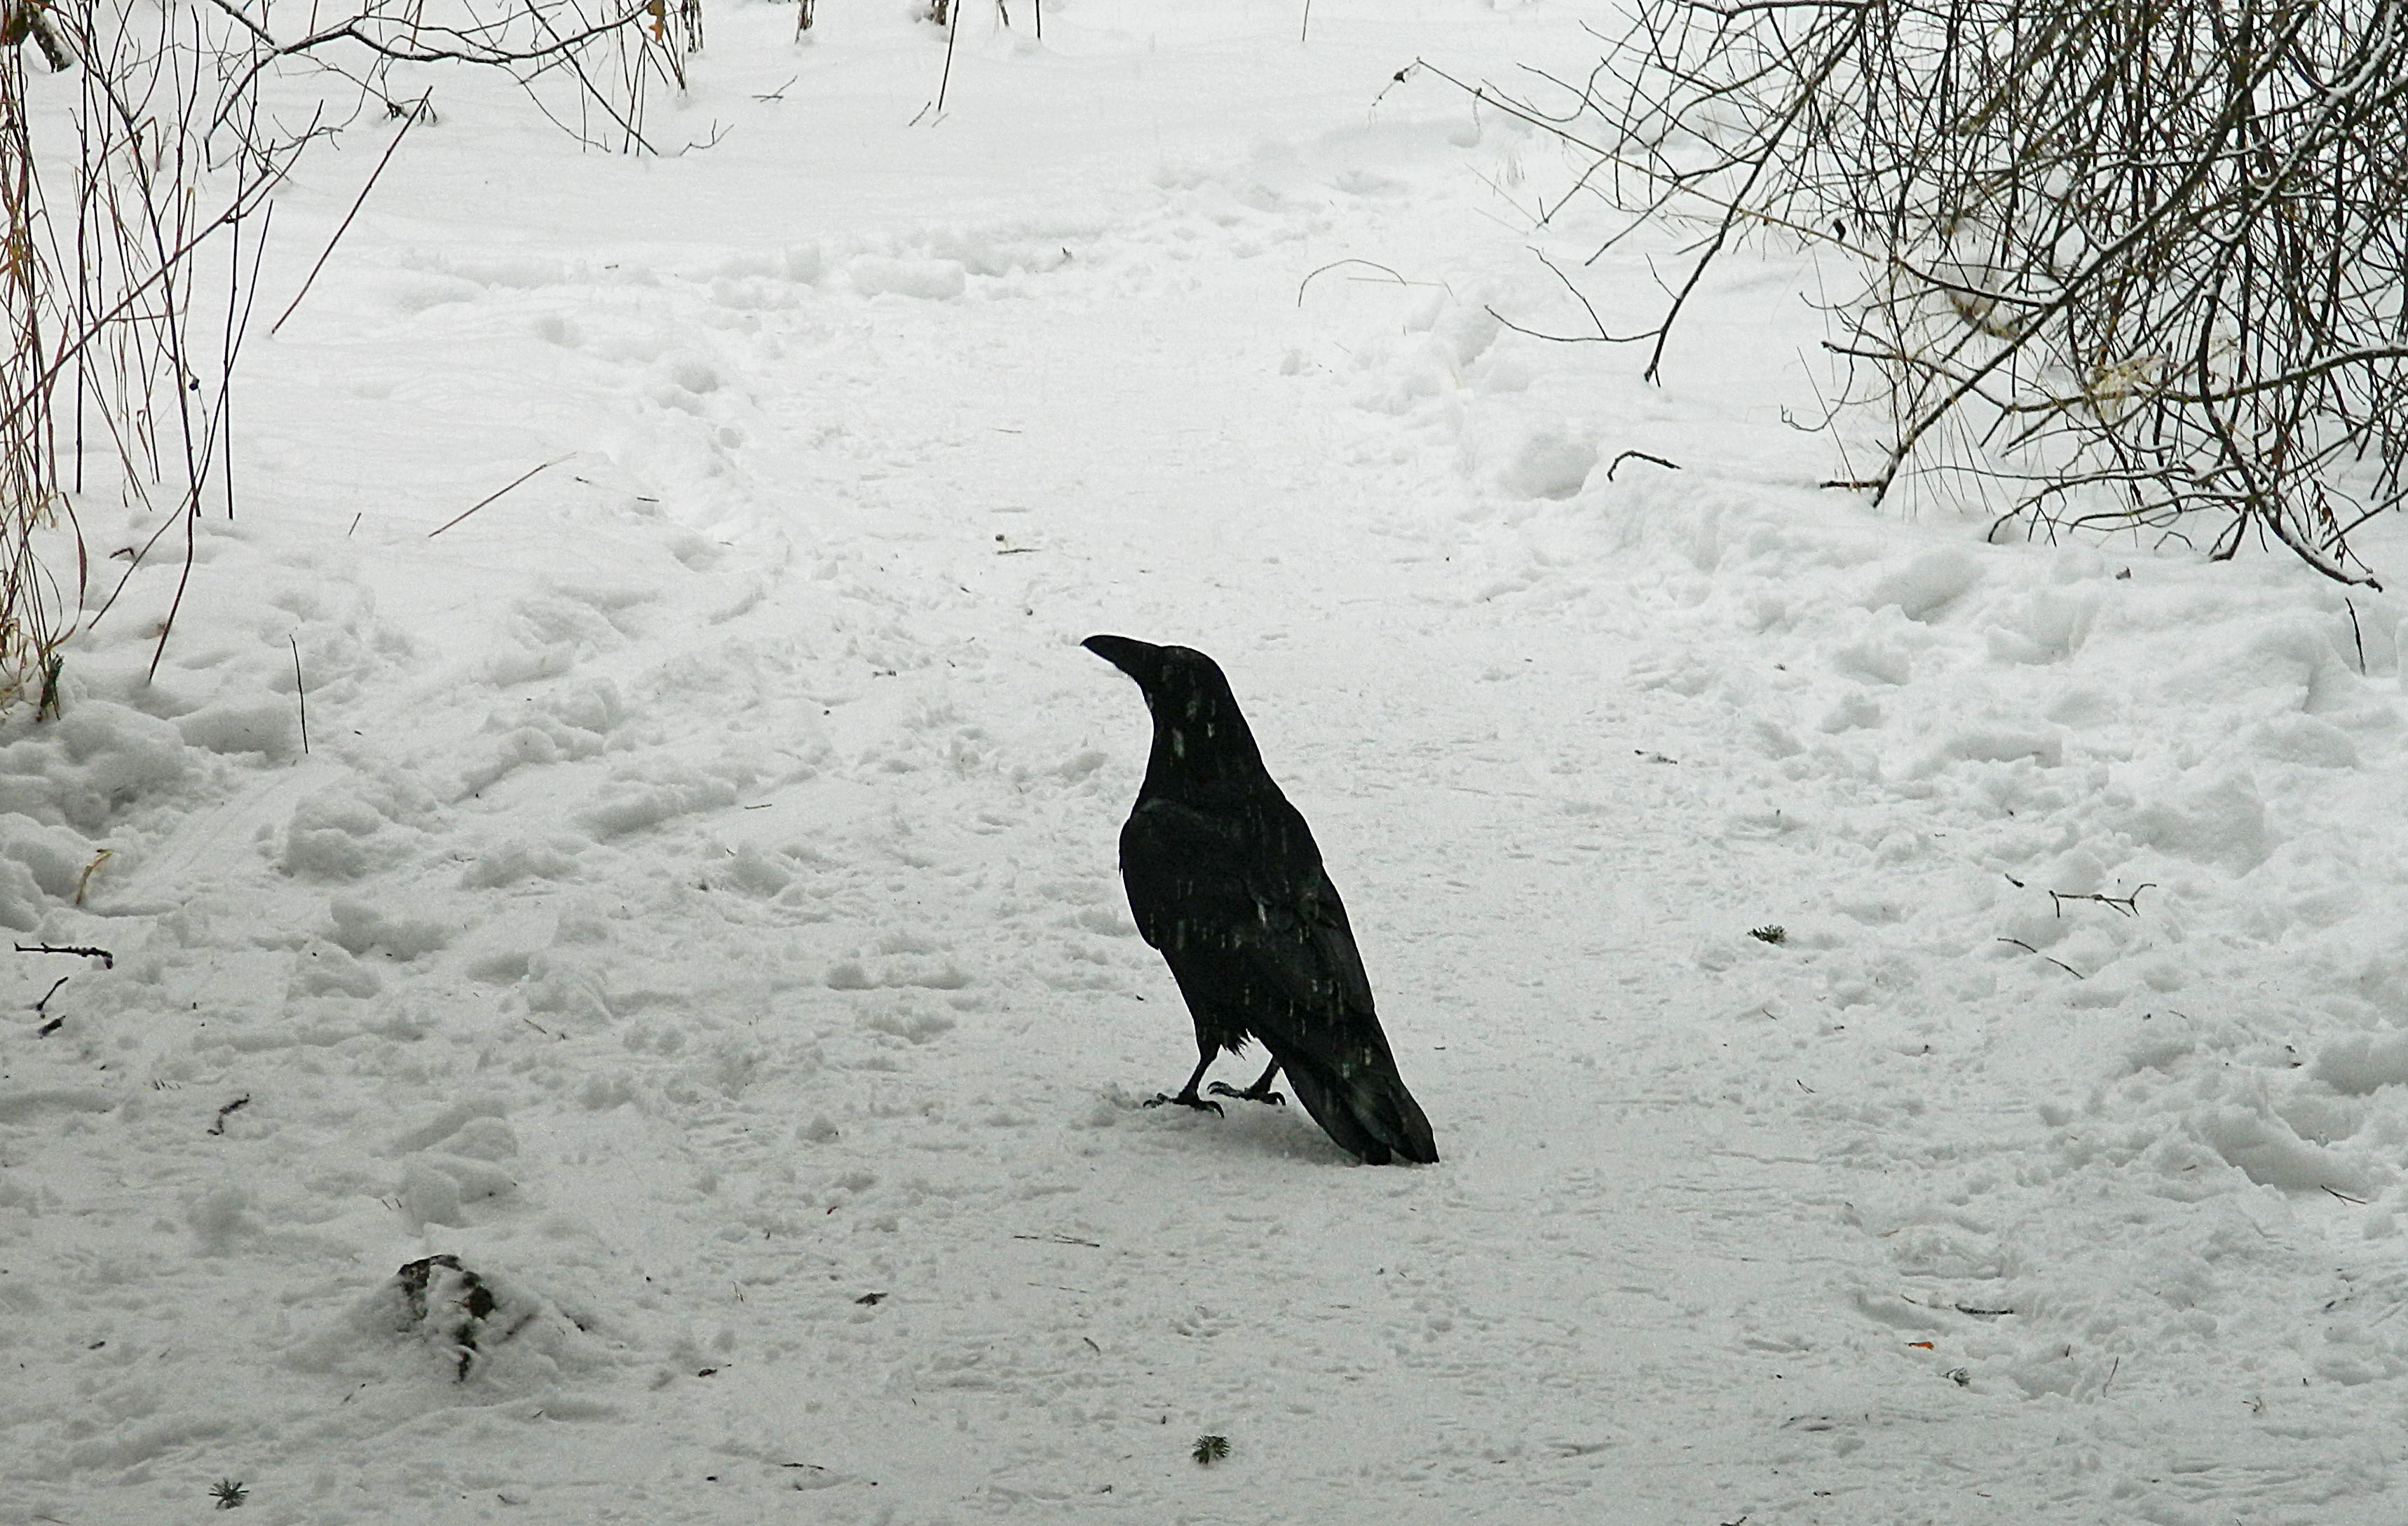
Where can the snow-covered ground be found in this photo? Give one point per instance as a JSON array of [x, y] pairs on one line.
[[695, 908]]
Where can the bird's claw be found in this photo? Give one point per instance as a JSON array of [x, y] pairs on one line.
[[1222, 1089], [1187, 1099]]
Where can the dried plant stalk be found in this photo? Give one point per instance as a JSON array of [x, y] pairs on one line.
[[30, 500], [118, 374]]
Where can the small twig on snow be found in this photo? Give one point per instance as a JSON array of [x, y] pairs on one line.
[[301, 691], [235, 1106], [1639, 455], [1373, 263], [2128, 904], [2059, 962], [107, 960], [491, 497]]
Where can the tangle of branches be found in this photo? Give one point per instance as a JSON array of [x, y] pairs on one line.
[[2143, 264]]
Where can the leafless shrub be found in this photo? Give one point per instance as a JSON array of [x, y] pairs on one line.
[[2143, 263], [134, 217], [99, 290], [28, 485]]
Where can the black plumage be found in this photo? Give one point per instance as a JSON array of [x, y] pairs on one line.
[[1225, 879]]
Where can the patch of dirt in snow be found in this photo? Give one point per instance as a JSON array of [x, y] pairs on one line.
[[1910, 1022]]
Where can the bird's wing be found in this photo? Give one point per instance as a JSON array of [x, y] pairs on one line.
[[1324, 920], [1248, 886], [1242, 909]]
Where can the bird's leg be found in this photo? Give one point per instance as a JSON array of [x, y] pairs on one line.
[[1260, 1092], [1187, 1097]]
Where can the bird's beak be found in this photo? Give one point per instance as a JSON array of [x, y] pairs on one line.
[[1140, 659]]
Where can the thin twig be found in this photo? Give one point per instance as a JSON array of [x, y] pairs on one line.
[[233, 1106], [491, 497], [300, 692], [412, 121], [1350, 261], [191, 517], [1580, 296], [2129, 905], [1639, 455], [2059, 962], [254, 27], [1565, 338], [107, 960], [952, 29]]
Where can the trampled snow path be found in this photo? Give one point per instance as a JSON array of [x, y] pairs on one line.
[[697, 912]]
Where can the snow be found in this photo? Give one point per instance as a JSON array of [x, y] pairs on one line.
[[1915, 1027]]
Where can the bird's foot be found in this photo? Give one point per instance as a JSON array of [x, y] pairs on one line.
[[1185, 1099], [1252, 1093]]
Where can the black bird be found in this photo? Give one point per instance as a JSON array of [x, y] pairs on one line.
[[1224, 878]]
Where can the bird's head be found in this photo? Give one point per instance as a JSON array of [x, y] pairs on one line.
[[1178, 674], [1197, 729]]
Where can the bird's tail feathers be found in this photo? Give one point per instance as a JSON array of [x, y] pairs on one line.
[[1370, 1114]]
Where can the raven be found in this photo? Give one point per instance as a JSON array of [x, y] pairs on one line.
[[1224, 878]]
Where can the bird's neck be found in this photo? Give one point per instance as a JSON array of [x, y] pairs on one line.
[[1201, 754]]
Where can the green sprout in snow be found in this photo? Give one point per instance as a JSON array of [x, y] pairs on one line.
[[228, 1492], [1210, 1450]]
